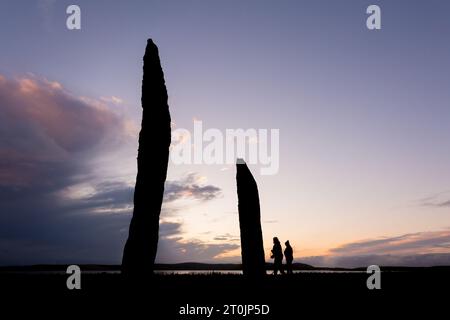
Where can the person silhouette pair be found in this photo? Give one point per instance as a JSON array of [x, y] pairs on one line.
[[277, 255]]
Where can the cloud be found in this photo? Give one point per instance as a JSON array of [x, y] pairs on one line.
[[438, 200], [417, 260], [411, 243], [190, 187], [117, 196], [42, 230], [55, 205], [105, 198], [172, 248], [113, 99], [227, 237], [442, 204], [169, 229], [413, 249], [47, 132]]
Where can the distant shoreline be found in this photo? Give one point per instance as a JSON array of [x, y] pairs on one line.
[[194, 266]]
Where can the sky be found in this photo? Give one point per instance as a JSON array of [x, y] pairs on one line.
[[362, 114]]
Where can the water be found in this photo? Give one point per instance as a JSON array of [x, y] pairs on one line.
[[181, 272], [240, 271]]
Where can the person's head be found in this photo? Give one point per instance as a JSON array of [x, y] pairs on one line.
[[275, 240], [287, 243]]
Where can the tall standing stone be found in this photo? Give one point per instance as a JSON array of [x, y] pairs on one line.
[[252, 249], [153, 155]]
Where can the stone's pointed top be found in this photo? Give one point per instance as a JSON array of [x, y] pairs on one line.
[[243, 173], [151, 47], [150, 43], [152, 69]]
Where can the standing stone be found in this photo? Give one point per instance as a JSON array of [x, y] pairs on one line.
[[252, 249], [153, 155]]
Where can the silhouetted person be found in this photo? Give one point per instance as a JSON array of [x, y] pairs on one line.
[[289, 256], [277, 255]]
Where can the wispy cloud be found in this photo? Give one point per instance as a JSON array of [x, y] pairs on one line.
[[109, 197], [173, 248], [113, 99], [415, 260], [438, 200], [439, 204], [412, 249], [192, 186], [227, 237], [411, 243]]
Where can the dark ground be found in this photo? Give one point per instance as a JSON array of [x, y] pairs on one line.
[[307, 295]]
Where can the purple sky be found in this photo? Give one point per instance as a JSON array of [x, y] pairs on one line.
[[363, 118]]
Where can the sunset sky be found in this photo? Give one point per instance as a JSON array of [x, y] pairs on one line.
[[363, 118]]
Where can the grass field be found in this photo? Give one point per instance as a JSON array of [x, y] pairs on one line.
[[164, 296]]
